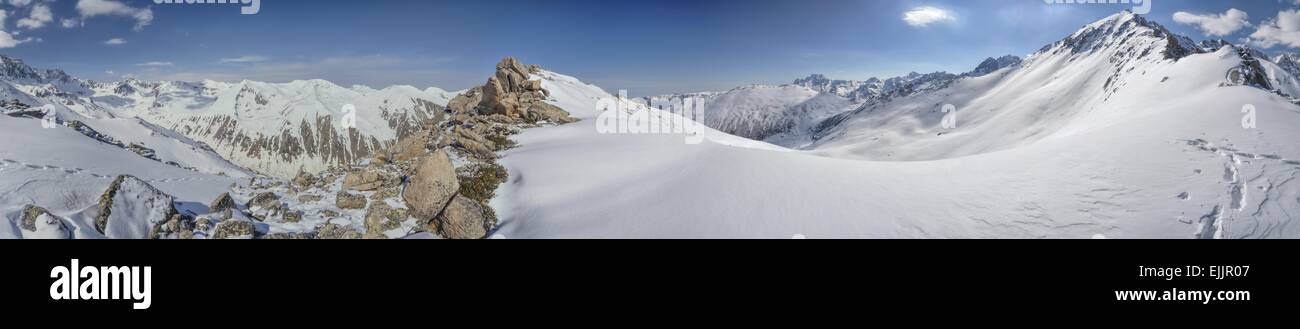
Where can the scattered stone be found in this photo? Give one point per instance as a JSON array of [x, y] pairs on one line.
[[309, 198], [330, 231], [291, 216], [463, 219], [264, 200], [304, 179], [222, 203], [346, 200], [234, 229], [369, 180], [289, 236]]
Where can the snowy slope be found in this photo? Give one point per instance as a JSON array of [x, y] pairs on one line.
[[65, 172], [1067, 81], [1158, 152]]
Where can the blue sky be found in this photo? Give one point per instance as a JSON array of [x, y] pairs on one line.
[[644, 46]]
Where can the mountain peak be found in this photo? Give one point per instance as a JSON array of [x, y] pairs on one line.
[[991, 65], [1125, 32]]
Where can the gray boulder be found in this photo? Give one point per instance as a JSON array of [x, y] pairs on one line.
[[432, 185]]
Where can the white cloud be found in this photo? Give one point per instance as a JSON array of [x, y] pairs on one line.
[[243, 59], [40, 15], [4, 15], [155, 64], [68, 23], [20, 3], [92, 8], [8, 41], [1283, 30], [115, 41], [924, 16], [1215, 25]]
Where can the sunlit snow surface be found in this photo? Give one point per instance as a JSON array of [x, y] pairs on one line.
[[1029, 160]]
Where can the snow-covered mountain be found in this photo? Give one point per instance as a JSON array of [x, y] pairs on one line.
[[272, 128], [791, 115], [1120, 130], [280, 129], [26, 91], [778, 113], [851, 89]]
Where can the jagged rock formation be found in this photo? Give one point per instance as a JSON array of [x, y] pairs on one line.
[[510, 93], [991, 65], [133, 209]]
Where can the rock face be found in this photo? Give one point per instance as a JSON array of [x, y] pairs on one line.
[[132, 209], [991, 65], [463, 219], [510, 94], [432, 185], [223, 202], [37, 223]]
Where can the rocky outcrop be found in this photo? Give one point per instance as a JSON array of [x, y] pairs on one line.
[[991, 65], [431, 186], [38, 223], [511, 94], [463, 219], [543, 111], [133, 209]]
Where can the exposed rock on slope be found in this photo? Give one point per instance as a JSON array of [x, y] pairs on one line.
[[510, 93], [132, 209], [432, 185], [38, 223]]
